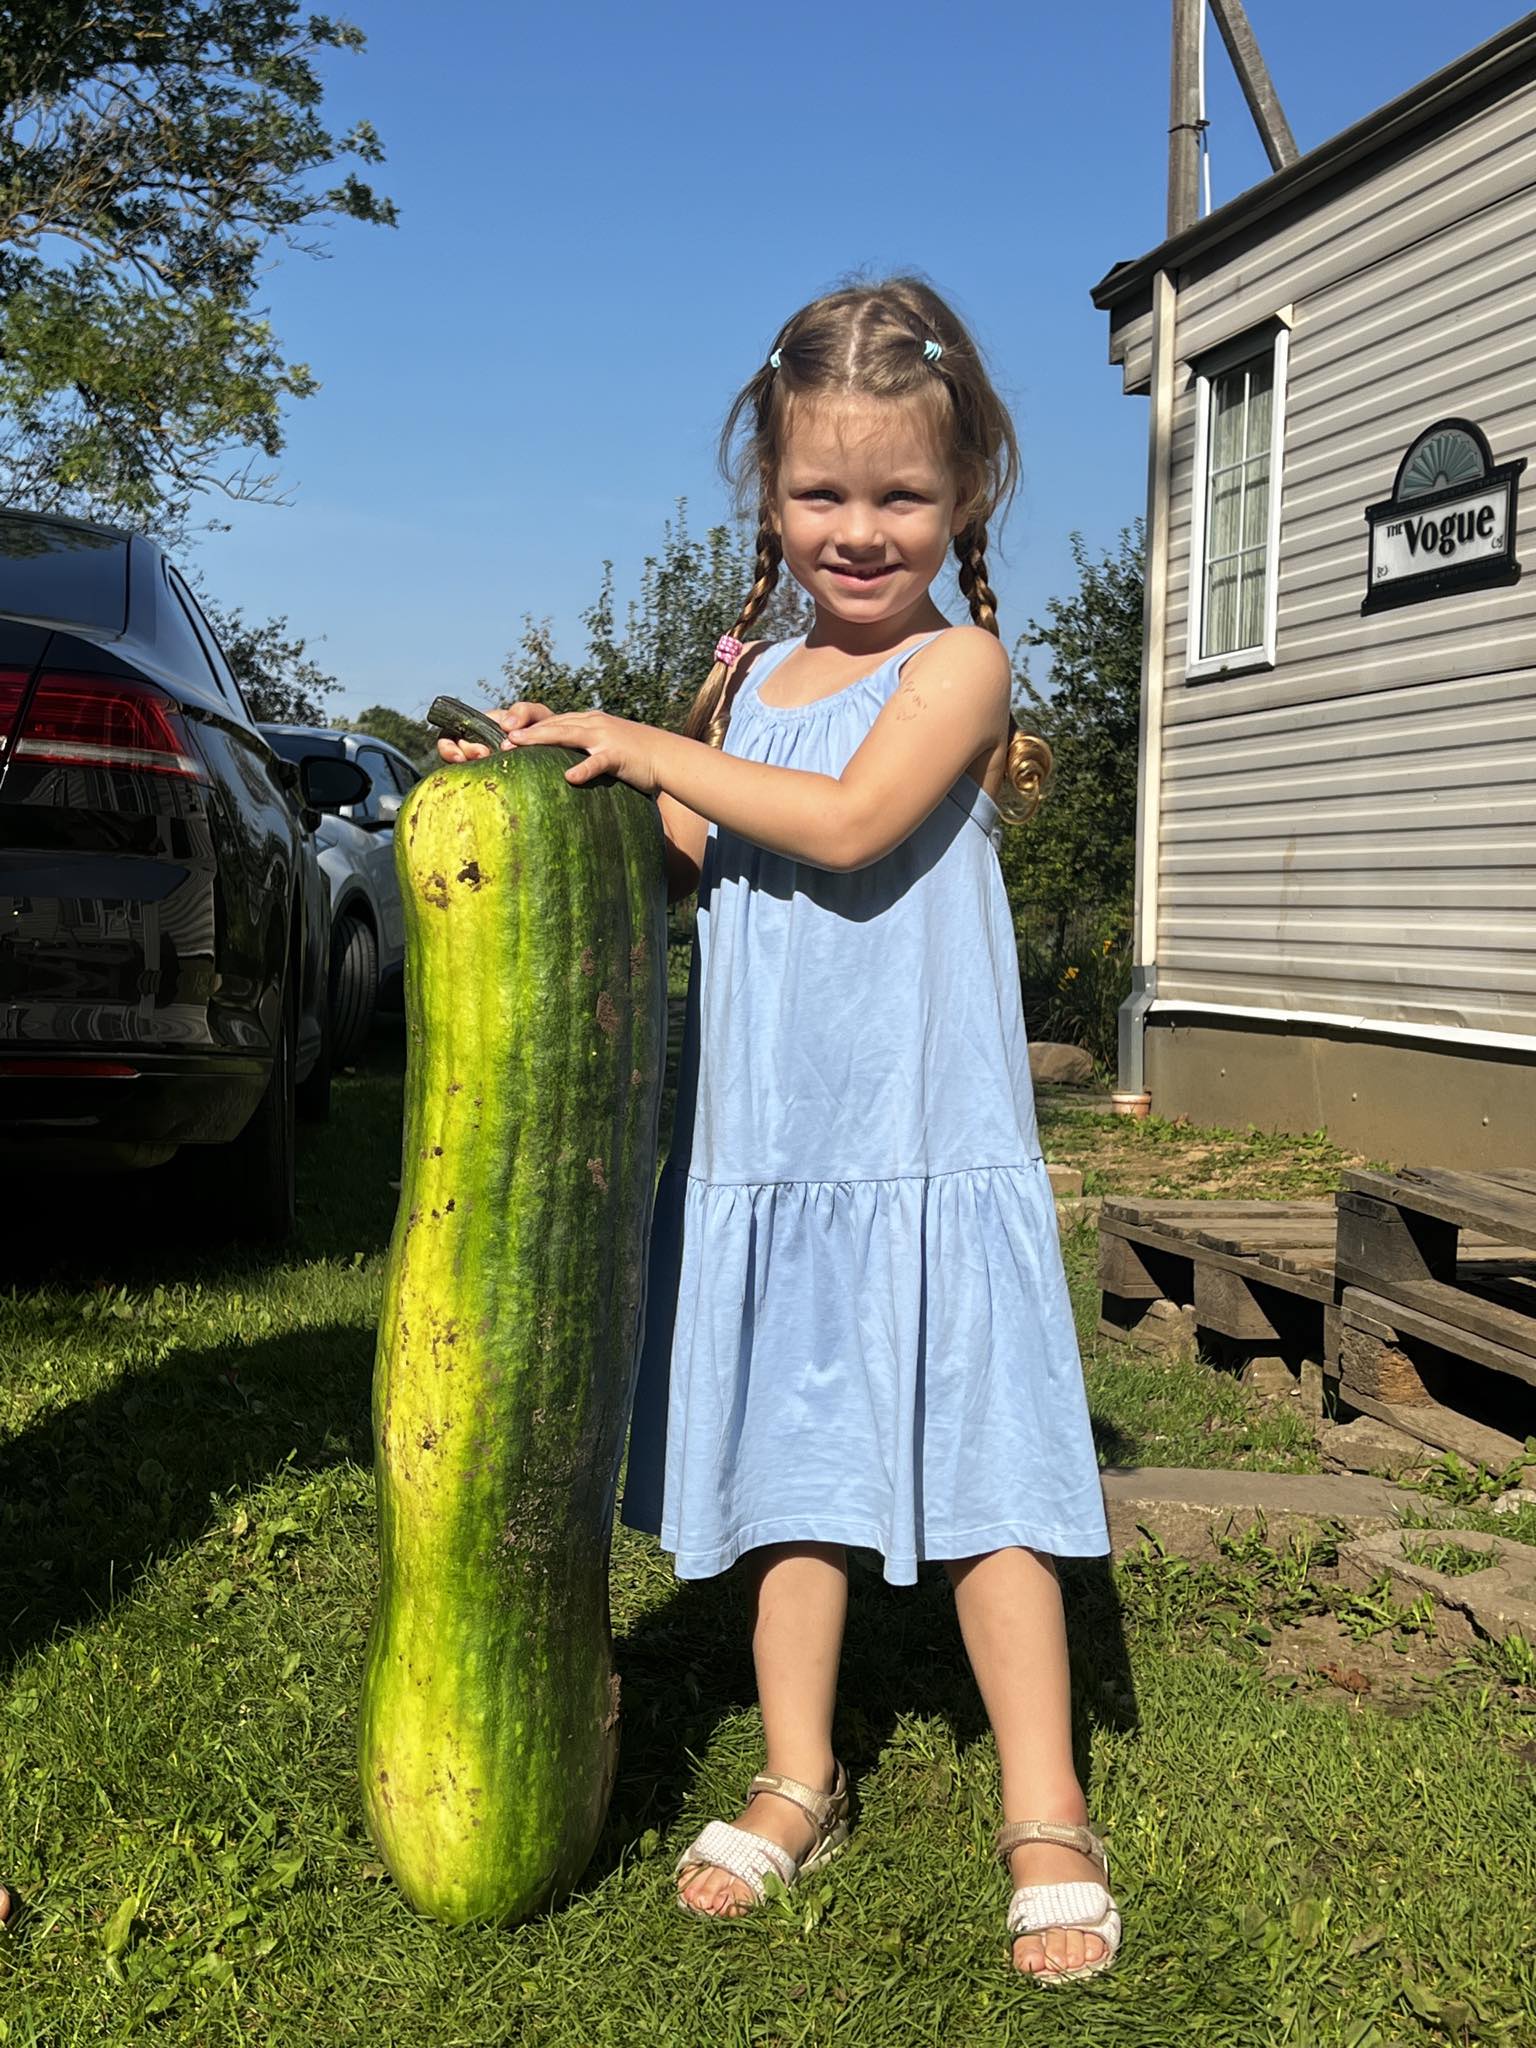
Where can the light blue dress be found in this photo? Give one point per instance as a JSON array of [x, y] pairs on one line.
[[856, 1321]]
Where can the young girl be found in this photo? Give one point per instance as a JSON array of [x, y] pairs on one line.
[[858, 1328]]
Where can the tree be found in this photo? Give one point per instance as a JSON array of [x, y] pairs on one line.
[[411, 735], [279, 681], [689, 595], [151, 154], [1076, 861]]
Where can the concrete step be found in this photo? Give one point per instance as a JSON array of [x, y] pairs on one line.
[[1074, 1209], [1490, 1604], [1186, 1507]]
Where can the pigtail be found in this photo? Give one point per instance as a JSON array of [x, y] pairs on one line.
[[1029, 756], [707, 717]]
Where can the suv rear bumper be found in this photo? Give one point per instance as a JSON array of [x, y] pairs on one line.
[[167, 1099]]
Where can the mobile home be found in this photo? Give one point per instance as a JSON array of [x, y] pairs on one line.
[[1336, 861]]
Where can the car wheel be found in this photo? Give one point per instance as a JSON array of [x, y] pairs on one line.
[[354, 987], [259, 1163], [312, 1097]]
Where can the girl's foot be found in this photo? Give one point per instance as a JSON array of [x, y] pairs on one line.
[[5, 1905], [779, 1820], [1056, 1948]]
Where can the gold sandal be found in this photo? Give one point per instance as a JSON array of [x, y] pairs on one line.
[[750, 1857], [1083, 1904]]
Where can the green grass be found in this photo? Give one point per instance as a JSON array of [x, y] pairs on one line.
[[187, 1577], [1159, 1156]]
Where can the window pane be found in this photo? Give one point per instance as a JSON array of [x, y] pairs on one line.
[[1256, 505], [1223, 529], [1227, 411], [70, 574], [1220, 609], [176, 638], [1261, 379], [215, 654], [376, 765], [1237, 486], [1250, 610]]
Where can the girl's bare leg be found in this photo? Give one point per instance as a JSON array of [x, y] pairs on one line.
[[1009, 1607], [797, 1602]]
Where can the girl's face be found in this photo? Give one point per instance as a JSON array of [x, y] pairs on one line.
[[866, 506]]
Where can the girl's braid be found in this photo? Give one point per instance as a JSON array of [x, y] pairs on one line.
[[1029, 757], [709, 717], [971, 553]]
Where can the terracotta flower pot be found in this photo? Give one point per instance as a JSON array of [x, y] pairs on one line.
[[1131, 1101]]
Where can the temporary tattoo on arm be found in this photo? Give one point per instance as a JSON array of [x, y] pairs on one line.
[[908, 700]]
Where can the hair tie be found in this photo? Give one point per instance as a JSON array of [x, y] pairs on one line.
[[932, 350], [728, 649], [774, 360]]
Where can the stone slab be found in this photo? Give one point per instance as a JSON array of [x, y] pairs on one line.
[[1185, 1508], [1162, 1326], [1072, 1210], [1060, 1066], [1367, 1445], [1441, 1427], [1065, 1180], [1048, 1097], [1490, 1604]]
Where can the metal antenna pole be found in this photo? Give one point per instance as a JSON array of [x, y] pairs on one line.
[[1258, 88], [1184, 118]]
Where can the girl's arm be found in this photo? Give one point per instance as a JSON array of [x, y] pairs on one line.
[[951, 704], [686, 833]]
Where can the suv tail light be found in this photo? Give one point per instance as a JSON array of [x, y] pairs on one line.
[[104, 722], [13, 687]]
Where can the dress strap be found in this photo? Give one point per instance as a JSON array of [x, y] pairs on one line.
[[767, 661]]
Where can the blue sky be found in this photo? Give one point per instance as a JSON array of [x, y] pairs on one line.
[[607, 210]]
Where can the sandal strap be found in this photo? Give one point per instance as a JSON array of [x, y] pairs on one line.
[[745, 1855], [1069, 1835], [823, 1807], [1082, 1904]]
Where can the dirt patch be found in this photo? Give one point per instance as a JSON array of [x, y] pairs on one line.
[[1323, 1659], [1169, 1157]]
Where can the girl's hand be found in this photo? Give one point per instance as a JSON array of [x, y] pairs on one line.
[[614, 746], [510, 717]]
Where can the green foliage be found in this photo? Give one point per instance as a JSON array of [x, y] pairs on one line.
[[189, 1566], [150, 157], [1071, 873], [279, 681], [1074, 998], [413, 736], [690, 593]]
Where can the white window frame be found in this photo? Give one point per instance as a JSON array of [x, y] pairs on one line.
[[1272, 340]]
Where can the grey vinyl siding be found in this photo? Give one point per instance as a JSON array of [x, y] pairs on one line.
[[1354, 831], [1130, 345]]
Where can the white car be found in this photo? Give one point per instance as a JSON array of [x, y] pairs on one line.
[[357, 857]]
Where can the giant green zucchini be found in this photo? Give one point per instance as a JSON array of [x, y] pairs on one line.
[[536, 966]]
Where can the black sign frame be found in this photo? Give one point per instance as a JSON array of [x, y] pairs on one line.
[[1487, 572]]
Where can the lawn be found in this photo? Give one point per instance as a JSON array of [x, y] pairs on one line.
[[187, 1574]]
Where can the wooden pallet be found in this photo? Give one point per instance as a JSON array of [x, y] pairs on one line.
[[1249, 1281], [1436, 1270]]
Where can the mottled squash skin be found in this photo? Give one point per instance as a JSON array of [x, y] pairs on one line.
[[536, 967]]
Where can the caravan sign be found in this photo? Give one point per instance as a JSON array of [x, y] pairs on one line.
[[1449, 524]]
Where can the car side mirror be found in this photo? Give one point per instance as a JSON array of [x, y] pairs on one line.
[[329, 782]]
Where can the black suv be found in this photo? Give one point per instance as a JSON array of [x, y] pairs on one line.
[[164, 929]]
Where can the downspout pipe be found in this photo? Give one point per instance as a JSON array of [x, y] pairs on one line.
[[1154, 619]]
